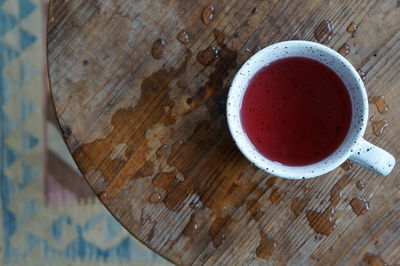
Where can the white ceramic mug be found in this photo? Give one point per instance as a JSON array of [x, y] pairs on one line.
[[354, 147]]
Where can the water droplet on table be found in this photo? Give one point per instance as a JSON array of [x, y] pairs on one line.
[[275, 197], [322, 222], [373, 260], [380, 103], [192, 228], [298, 205], [323, 32], [347, 165], [208, 14], [155, 197], [359, 206], [360, 184], [195, 205], [254, 10], [208, 55], [344, 49], [352, 28], [254, 208], [379, 126], [267, 246], [362, 74], [157, 50], [183, 36]]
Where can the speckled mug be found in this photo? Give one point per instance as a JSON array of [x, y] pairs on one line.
[[354, 147]]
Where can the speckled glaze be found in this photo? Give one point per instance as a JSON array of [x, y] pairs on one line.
[[354, 147]]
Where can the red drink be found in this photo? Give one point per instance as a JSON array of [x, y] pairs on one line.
[[296, 111]]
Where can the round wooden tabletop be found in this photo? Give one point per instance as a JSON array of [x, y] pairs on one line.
[[140, 90]]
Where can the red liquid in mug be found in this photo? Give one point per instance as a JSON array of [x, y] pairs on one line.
[[296, 111]]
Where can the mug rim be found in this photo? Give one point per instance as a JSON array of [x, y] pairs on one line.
[[276, 168]]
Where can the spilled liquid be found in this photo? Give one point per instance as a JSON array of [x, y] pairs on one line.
[[168, 182], [380, 103], [254, 208], [208, 14], [373, 260], [298, 206], [347, 165], [275, 196], [183, 37], [352, 28], [157, 50], [192, 228], [362, 74], [208, 56], [359, 206], [379, 126], [219, 37], [155, 197], [219, 239], [360, 184], [336, 192], [344, 49], [267, 247], [323, 32], [214, 232], [322, 222]]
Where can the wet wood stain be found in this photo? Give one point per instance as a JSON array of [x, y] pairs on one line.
[[157, 50], [298, 206], [254, 208], [379, 126], [217, 232], [275, 196], [336, 192], [208, 14], [323, 32], [322, 222], [380, 103], [219, 37], [267, 246], [359, 206], [192, 228], [373, 260], [168, 182]]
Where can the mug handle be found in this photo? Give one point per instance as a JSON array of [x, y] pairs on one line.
[[373, 157]]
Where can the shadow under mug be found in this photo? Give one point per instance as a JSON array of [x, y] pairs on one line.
[[354, 147]]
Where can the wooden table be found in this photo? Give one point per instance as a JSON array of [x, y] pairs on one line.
[[142, 111]]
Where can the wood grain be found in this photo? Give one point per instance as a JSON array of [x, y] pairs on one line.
[[150, 134]]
